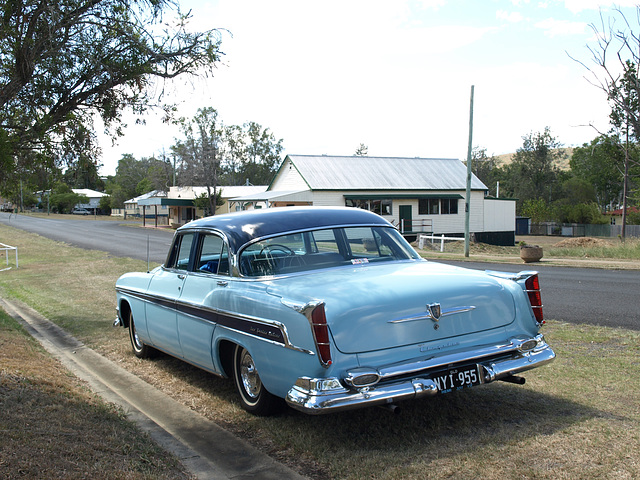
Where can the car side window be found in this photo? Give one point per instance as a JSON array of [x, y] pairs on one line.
[[223, 268], [181, 251], [213, 257]]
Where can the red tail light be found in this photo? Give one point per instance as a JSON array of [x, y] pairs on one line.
[[321, 334], [532, 287]]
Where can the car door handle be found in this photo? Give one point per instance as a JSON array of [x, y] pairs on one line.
[[182, 277], [222, 283]]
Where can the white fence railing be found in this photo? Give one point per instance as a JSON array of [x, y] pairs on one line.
[[6, 249], [422, 239]]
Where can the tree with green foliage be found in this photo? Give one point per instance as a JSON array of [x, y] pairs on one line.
[[633, 217], [248, 153], [486, 169], [63, 199], [533, 172], [601, 164], [199, 153], [105, 205], [202, 202], [135, 177], [80, 157], [362, 151], [536, 209], [213, 154], [583, 213], [616, 56], [63, 63], [261, 154]]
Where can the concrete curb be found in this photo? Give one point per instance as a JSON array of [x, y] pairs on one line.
[[205, 449]]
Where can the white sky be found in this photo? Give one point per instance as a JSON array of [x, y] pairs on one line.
[[396, 75]]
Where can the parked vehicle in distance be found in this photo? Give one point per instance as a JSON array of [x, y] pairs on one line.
[[80, 211], [329, 309]]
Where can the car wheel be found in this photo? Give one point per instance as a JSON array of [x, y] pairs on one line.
[[139, 349], [254, 398]]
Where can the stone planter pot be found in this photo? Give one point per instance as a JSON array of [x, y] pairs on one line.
[[530, 253]]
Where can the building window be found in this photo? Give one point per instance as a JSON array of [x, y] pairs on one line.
[[428, 206], [381, 207], [449, 206]]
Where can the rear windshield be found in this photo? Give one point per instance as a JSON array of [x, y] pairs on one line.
[[298, 252]]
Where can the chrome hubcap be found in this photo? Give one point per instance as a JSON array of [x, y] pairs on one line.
[[249, 375], [136, 339]]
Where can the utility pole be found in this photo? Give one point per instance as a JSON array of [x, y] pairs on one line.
[[625, 184], [468, 198]]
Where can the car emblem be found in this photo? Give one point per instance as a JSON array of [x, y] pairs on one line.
[[434, 310]]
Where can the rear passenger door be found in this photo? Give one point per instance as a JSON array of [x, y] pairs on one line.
[[164, 289], [199, 303]]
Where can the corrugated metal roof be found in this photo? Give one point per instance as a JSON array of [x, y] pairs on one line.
[[281, 195], [383, 173]]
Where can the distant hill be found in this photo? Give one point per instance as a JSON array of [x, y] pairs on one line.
[[505, 158]]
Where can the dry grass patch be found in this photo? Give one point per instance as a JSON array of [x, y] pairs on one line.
[[569, 248], [577, 418], [584, 242], [588, 247], [53, 427]]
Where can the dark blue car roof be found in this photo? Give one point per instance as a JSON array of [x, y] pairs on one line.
[[242, 227]]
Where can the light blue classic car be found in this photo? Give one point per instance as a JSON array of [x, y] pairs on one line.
[[329, 309]]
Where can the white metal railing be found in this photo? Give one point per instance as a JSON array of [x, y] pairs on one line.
[[6, 249], [423, 238]]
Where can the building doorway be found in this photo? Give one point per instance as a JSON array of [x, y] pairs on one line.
[[405, 218]]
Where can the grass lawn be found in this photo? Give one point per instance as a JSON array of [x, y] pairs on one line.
[[576, 418], [52, 426]]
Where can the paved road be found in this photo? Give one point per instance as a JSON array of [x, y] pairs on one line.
[[120, 238], [582, 295], [578, 295]]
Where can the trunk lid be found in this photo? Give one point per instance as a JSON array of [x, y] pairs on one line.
[[375, 307]]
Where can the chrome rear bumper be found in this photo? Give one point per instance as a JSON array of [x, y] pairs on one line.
[[328, 395]]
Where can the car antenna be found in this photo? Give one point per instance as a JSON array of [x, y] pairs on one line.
[[147, 253]]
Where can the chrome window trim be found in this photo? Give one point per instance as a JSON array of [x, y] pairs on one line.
[[294, 232]]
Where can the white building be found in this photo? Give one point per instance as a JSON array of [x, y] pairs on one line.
[[93, 196], [136, 207], [180, 201], [415, 194]]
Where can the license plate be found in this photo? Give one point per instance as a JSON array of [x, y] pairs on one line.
[[457, 378]]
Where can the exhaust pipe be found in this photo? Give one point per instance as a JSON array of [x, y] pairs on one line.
[[514, 379], [392, 407]]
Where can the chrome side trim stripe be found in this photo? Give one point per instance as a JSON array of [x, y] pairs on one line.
[[264, 329]]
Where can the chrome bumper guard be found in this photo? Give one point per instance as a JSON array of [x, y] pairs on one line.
[[329, 395]]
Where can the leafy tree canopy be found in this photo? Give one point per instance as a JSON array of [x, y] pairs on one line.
[[601, 164], [362, 151], [63, 62], [533, 171], [486, 169], [212, 154], [63, 199], [135, 177]]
